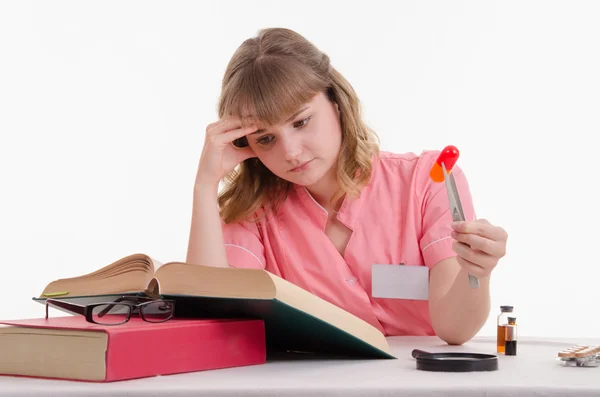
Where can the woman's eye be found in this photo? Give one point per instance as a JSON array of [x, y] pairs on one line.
[[301, 123], [265, 140]]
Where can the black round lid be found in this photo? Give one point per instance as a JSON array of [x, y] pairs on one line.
[[506, 308]]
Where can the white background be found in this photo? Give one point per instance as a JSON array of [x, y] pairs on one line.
[[103, 107]]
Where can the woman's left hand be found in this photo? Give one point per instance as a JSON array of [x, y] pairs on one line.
[[479, 245]]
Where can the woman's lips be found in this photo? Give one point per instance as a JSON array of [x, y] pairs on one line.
[[301, 167]]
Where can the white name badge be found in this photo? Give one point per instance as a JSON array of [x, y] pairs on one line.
[[400, 282]]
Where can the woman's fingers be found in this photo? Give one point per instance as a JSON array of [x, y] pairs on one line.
[[228, 130], [232, 135], [491, 247], [226, 124], [482, 228]]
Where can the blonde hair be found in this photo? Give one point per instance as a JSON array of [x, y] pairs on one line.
[[271, 76]]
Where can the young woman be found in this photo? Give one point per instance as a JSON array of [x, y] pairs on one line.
[[309, 197]]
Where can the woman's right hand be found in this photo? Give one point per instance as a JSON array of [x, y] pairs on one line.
[[219, 156]]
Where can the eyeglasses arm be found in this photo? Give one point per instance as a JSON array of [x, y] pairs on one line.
[[72, 307]]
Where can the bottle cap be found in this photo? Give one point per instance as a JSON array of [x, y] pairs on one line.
[[506, 309], [512, 319]]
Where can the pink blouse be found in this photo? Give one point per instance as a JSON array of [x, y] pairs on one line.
[[401, 216]]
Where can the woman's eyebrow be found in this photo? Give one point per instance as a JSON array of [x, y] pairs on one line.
[[261, 130], [296, 114]]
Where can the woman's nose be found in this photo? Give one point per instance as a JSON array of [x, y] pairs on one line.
[[292, 149]]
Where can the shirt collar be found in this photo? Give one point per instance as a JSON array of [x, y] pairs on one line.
[[348, 213]]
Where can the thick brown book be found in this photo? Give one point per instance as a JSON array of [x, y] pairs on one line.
[[295, 319]]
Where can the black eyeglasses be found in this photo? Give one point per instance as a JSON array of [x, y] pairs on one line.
[[120, 311]]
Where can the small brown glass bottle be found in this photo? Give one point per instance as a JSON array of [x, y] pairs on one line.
[[501, 327], [510, 344]]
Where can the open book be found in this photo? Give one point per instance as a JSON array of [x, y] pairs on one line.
[[295, 320]]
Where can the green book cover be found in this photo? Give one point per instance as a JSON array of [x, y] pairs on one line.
[[287, 329]]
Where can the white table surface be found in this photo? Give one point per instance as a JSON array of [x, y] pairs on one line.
[[533, 372]]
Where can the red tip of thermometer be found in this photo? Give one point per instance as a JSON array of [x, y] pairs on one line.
[[448, 156]]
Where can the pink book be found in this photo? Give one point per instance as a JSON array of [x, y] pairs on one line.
[[71, 348]]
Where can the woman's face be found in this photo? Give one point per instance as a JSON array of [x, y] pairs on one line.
[[303, 149]]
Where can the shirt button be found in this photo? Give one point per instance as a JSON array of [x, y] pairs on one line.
[[351, 280]]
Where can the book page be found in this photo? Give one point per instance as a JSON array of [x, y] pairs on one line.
[[156, 263]]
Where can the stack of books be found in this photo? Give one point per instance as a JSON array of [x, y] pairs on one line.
[[223, 317]]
